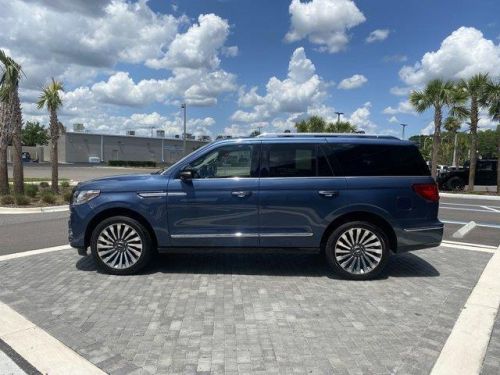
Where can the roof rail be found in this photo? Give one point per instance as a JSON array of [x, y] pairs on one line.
[[312, 135]]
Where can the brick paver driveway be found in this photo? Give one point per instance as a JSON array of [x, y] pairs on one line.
[[246, 313]]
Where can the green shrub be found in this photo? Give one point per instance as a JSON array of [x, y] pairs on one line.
[[44, 185], [48, 197], [67, 195], [22, 200], [131, 163], [64, 184], [31, 190], [7, 199]]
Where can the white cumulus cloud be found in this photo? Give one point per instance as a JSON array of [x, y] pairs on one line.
[[323, 22], [377, 35], [462, 54], [294, 94], [354, 82]]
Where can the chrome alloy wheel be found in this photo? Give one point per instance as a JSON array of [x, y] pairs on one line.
[[119, 246], [358, 251]]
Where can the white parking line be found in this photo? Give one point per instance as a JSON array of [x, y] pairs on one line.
[[468, 209], [465, 348], [466, 246], [470, 244], [460, 233], [47, 354], [34, 252], [490, 208], [484, 225]]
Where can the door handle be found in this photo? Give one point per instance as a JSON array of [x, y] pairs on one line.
[[328, 193], [241, 194]]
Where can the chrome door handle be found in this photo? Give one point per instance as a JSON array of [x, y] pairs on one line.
[[328, 193], [241, 194]]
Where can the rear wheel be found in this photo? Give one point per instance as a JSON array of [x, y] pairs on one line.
[[120, 245], [357, 250], [456, 184]]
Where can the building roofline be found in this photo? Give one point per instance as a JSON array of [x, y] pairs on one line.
[[135, 136]]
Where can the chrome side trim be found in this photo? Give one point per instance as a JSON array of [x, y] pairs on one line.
[[240, 235], [152, 194], [424, 229], [176, 194], [216, 235], [286, 234]]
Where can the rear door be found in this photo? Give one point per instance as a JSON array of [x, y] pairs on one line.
[[297, 193], [218, 207]]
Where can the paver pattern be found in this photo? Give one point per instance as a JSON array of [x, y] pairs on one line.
[[491, 364], [233, 313]]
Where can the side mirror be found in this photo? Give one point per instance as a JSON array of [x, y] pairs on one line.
[[186, 175]]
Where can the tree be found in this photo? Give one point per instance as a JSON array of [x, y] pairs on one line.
[[34, 134], [11, 123], [316, 124], [494, 112], [438, 94], [341, 127], [476, 89], [51, 100], [255, 133], [452, 125]]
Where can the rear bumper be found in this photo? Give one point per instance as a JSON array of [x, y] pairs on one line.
[[421, 237]]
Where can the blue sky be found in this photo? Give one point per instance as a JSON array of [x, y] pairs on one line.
[[246, 64]]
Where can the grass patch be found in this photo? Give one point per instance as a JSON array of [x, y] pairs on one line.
[[22, 200], [39, 179], [7, 199], [48, 197]]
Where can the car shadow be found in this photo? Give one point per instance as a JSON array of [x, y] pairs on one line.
[[269, 264]]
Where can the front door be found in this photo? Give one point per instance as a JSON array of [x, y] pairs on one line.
[[219, 206]]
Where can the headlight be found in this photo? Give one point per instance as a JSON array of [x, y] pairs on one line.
[[84, 196]]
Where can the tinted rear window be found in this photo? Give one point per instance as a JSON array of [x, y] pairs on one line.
[[376, 160]]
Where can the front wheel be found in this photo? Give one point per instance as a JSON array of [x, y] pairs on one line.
[[120, 245], [357, 250]]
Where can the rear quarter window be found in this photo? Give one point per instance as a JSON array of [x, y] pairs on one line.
[[349, 159]]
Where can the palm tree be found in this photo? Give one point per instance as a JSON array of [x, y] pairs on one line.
[[438, 94], [494, 112], [452, 125], [476, 89], [341, 127], [11, 123], [52, 101]]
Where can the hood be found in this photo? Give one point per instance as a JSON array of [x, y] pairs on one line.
[[130, 182]]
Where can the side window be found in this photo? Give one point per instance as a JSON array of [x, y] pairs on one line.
[[225, 162], [485, 166], [376, 160], [290, 160]]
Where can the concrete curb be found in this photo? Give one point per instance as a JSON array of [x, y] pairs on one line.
[[465, 349], [470, 196], [32, 210], [43, 351]]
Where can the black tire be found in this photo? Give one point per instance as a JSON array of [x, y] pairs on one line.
[[132, 262], [455, 184], [339, 254]]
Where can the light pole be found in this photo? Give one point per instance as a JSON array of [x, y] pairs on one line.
[[338, 116], [404, 126], [183, 106]]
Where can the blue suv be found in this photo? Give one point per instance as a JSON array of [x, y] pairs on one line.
[[354, 198]]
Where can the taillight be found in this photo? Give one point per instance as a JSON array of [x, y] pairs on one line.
[[429, 192]]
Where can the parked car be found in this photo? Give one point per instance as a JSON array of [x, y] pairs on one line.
[[354, 198], [456, 179]]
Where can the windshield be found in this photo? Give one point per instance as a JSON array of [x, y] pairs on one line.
[[166, 169]]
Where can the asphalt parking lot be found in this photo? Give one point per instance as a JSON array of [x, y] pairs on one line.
[[240, 313]]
